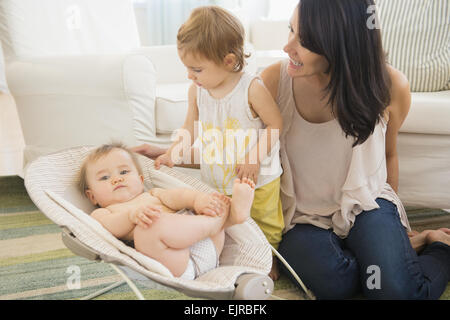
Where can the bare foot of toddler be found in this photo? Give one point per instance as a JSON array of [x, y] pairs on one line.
[[274, 273], [241, 203]]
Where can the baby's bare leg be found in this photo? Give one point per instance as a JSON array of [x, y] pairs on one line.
[[241, 203], [168, 239]]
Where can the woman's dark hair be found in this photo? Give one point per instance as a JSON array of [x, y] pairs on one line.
[[360, 84]]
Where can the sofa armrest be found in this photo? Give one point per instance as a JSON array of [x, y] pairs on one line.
[[65, 101], [170, 69], [429, 113]]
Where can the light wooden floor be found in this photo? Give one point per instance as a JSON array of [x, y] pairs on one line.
[[11, 139]]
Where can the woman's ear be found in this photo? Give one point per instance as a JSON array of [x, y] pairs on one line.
[[230, 61]]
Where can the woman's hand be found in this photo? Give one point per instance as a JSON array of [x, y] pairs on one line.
[[164, 159], [144, 216], [149, 151]]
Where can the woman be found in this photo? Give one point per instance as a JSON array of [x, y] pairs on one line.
[[342, 107]]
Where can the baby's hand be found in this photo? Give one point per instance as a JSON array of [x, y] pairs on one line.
[[144, 216], [212, 204], [249, 171]]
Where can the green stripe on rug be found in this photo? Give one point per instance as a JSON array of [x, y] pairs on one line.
[[23, 220], [48, 255], [53, 272], [29, 231]]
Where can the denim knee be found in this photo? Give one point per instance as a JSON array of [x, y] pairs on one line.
[[318, 258]]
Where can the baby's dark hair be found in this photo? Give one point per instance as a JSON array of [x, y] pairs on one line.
[[97, 154]]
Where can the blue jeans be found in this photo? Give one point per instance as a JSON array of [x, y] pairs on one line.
[[376, 259]]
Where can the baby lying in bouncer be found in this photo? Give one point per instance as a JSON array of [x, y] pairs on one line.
[[111, 178]]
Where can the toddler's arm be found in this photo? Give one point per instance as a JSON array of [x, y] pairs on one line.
[[267, 110], [178, 147]]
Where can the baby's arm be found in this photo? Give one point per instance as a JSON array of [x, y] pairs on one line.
[[122, 218], [117, 223]]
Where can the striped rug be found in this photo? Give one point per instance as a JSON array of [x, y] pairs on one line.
[[35, 264]]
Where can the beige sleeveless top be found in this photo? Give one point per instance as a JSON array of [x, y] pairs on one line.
[[227, 132], [326, 182]]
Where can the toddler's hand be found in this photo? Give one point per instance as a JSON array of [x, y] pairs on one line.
[[249, 171], [164, 159], [144, 216]]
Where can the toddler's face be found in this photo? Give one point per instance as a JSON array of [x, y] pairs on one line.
[[113, 178], [203, 72]]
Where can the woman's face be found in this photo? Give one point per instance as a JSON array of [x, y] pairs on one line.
[[302, 61]]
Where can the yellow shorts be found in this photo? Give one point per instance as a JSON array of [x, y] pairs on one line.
[[268, 213]]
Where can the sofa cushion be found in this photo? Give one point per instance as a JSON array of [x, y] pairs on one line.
[[416, 36], [59, 27], [171, 106], [429, 113]]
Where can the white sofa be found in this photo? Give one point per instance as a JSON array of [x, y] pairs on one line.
[[82, 76], [85, 92]]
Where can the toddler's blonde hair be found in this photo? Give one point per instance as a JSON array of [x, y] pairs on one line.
[[97, 154], [212, 32]]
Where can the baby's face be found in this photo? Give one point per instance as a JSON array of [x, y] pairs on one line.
[[113, 179]]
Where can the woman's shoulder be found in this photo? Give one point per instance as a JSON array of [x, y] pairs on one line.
[[271, 78]]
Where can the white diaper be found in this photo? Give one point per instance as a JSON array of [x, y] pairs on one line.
[[203, 258]]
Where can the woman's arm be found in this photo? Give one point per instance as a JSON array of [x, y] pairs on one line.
[[397, 112]]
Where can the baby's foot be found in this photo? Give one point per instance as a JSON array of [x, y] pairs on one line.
[[241, 203]]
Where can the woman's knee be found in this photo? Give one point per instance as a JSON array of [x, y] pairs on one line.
[[325, 268]]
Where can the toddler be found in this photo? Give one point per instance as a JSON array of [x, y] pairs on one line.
[[238, 122], [112, 180]]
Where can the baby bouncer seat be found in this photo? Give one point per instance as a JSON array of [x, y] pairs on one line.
[[243, 265]]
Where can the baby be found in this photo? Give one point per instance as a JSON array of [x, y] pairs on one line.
[[111, 179]]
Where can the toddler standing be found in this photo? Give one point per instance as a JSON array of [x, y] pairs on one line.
[[235, 117]]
